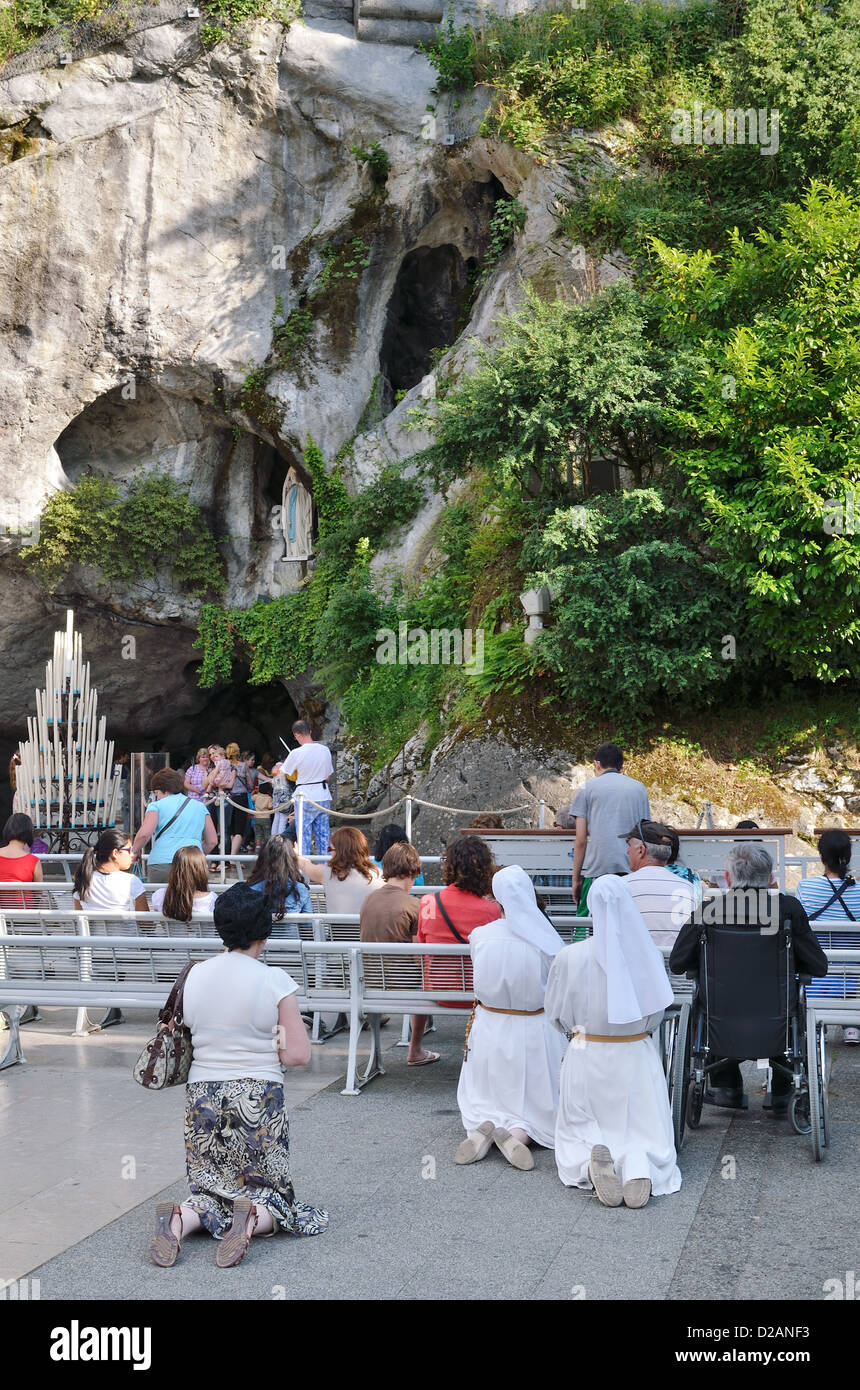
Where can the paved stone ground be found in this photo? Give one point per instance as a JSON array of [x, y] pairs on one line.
[[407, 1224]]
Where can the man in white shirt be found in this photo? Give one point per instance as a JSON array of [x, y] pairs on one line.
[[310, 767], [664, 900]]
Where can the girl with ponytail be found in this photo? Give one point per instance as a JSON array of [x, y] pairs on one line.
[[103, 882]]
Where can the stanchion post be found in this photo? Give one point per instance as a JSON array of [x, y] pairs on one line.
[[408, 801], [300, 821], [221, 836], [541, 814]]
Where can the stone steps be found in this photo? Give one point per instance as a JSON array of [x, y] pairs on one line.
[[341, 10], [399, 21], [420, 11]]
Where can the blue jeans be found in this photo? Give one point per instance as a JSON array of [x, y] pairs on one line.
[[316, 824]]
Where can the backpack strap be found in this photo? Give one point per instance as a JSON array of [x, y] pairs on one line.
[[835, 897]]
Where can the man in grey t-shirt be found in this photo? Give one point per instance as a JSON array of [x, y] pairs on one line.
[[604, 810]]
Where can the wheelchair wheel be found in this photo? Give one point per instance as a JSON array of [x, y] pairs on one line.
[[819, 1112], [679, 1079], [695, 1101], [800, 1114]]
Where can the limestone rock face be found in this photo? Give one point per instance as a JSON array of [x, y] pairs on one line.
[[197, 273]]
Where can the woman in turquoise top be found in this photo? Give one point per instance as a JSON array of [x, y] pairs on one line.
[[173, 820]]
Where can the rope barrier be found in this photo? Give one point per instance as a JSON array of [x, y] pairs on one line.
[[472, 810], [354, 815]]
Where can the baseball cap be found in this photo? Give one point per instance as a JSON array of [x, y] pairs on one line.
[[650, 832]]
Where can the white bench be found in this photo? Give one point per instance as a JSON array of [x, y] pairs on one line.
[[547, 853]]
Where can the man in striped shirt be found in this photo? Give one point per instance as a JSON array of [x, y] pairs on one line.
[[665, 900]]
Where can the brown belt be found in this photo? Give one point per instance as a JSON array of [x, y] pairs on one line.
[[519, 1013], [605, 1037]]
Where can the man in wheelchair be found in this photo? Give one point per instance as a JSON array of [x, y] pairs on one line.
[[751, 991]]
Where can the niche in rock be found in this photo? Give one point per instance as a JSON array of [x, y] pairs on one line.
[[251, 715], [236, 478], [424, 312]]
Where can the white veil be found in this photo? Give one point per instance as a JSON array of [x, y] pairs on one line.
[[514, 892], [636, 981]]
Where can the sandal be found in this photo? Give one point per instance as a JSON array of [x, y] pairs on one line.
[[424, 1061], [234, 1246], [164, 1247]]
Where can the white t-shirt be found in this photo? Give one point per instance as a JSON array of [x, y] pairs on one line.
[[312, 765], [665, 901], [200, 907], [112, 892], [348, 894], [230, 1003]]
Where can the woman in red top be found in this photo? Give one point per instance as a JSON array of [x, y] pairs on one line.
[[18, 864], [449, 918]]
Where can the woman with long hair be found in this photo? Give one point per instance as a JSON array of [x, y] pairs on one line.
[[831, 900], [277, 876], [349, 875], [103, 882], [187, 893], [241, 793], [220, 778], [18, 863]]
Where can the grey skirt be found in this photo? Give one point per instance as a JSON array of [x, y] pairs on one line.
[[237, 1144]]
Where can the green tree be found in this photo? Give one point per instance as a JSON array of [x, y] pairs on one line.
[[568, 384], [773, 427], [639, 612]]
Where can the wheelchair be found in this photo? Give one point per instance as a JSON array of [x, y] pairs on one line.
[[747, 1002]]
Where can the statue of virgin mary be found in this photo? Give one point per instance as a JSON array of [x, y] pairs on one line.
[[296, 518]]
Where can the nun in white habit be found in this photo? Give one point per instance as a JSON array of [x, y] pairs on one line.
[[607, 994], [508, 1088]]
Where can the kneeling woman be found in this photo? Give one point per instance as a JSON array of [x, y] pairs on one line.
[[509, 1080], [237, 1145], [614, 1128]]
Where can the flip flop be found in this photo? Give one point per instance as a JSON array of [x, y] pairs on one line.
[[233, 1248], [425, 1061]]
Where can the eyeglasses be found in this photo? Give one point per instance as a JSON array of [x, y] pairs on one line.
[[125, 849]]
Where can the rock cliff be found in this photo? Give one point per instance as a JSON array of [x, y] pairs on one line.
[[165, 209]]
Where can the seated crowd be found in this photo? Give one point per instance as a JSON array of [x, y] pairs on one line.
[[560, 1048]]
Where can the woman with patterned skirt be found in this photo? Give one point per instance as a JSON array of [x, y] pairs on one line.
[[245, 1026]]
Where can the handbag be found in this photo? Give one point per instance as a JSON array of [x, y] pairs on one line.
[[166, 1058]]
